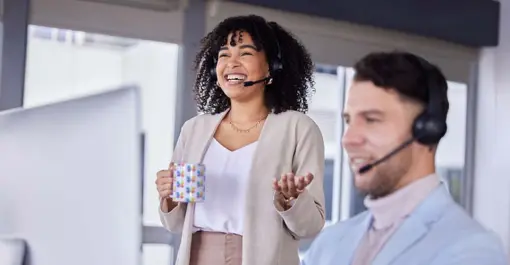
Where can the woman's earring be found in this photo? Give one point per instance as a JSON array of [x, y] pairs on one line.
[[270, 81], [217, 83]]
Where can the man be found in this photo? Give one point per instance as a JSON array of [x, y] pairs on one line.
[[400, 100]]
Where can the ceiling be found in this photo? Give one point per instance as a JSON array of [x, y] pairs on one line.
[[473, 23]]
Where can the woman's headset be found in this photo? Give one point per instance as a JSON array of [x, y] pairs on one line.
[[275, 65]]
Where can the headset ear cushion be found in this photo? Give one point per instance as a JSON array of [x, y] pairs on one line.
[[429, 129], [213, 62], [213, 73], [276, 66]]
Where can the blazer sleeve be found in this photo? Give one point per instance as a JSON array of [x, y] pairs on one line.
[[306, 217], [173, 221]]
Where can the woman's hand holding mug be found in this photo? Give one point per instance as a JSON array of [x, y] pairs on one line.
[[164, 184]]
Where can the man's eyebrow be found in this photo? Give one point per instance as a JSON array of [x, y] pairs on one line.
[[372, 112], [365, 113]]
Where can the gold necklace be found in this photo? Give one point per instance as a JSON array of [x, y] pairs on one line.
[[239, 130]]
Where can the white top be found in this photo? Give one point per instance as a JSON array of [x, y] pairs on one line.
[[227, 174]]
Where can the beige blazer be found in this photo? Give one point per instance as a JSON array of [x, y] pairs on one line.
[[289, 142]]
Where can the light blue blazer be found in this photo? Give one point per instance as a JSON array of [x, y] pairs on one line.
[[438, 232]]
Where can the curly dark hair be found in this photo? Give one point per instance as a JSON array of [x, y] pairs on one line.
[[408, 74], [291, 87]]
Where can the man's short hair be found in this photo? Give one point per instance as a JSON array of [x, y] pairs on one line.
[[408, 74]]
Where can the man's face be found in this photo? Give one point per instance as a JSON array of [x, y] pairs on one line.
[[377, 121]]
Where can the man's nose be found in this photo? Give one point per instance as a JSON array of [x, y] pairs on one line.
[[353, 136]]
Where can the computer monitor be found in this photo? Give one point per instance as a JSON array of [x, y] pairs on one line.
[[12, 251], [70, 179]]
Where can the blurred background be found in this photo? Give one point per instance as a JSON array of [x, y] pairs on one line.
[[56, 50]]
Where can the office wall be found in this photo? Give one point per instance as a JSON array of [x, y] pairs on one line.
[[492, 175], [1, 45]]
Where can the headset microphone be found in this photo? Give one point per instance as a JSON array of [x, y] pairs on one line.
[[251, 83], [367, 167]]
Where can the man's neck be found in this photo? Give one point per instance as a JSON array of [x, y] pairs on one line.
[[391, 209], [421, 169]]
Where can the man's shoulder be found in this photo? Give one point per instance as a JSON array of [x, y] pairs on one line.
[[458, 221], [470, 243], [324, 247], [337, 229], [465, 230], [457, 236], [353, 221]]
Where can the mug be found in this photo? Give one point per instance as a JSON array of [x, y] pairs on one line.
[[189, 182]]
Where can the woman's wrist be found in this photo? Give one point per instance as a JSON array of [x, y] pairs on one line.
[[167, 205], [283, 203]]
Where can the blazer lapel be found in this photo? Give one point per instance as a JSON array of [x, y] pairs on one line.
[[351, 239], [209, 126], [415, 226], [409, 232]]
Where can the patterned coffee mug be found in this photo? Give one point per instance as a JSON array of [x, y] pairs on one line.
[[189, 182]]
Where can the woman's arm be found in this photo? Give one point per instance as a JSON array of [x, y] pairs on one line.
[[306, 217], [171, 213]]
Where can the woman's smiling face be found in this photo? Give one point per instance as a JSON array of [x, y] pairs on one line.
[[240, 60]]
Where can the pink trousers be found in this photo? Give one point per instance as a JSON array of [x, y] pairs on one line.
[[212, 248]]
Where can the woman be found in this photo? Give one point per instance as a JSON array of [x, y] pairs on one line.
[[252, 86]]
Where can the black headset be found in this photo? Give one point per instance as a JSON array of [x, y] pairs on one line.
[[275, 65], [430, 126]]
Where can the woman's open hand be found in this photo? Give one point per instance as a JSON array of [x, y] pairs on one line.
[[289, 187]]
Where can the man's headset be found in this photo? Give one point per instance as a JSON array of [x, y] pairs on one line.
[[275, 65], [430, 126]]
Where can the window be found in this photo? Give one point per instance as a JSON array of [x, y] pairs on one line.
[[452, 148], [63, 64], [325, 108]]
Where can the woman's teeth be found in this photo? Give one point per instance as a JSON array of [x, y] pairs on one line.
[[235, 78]]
